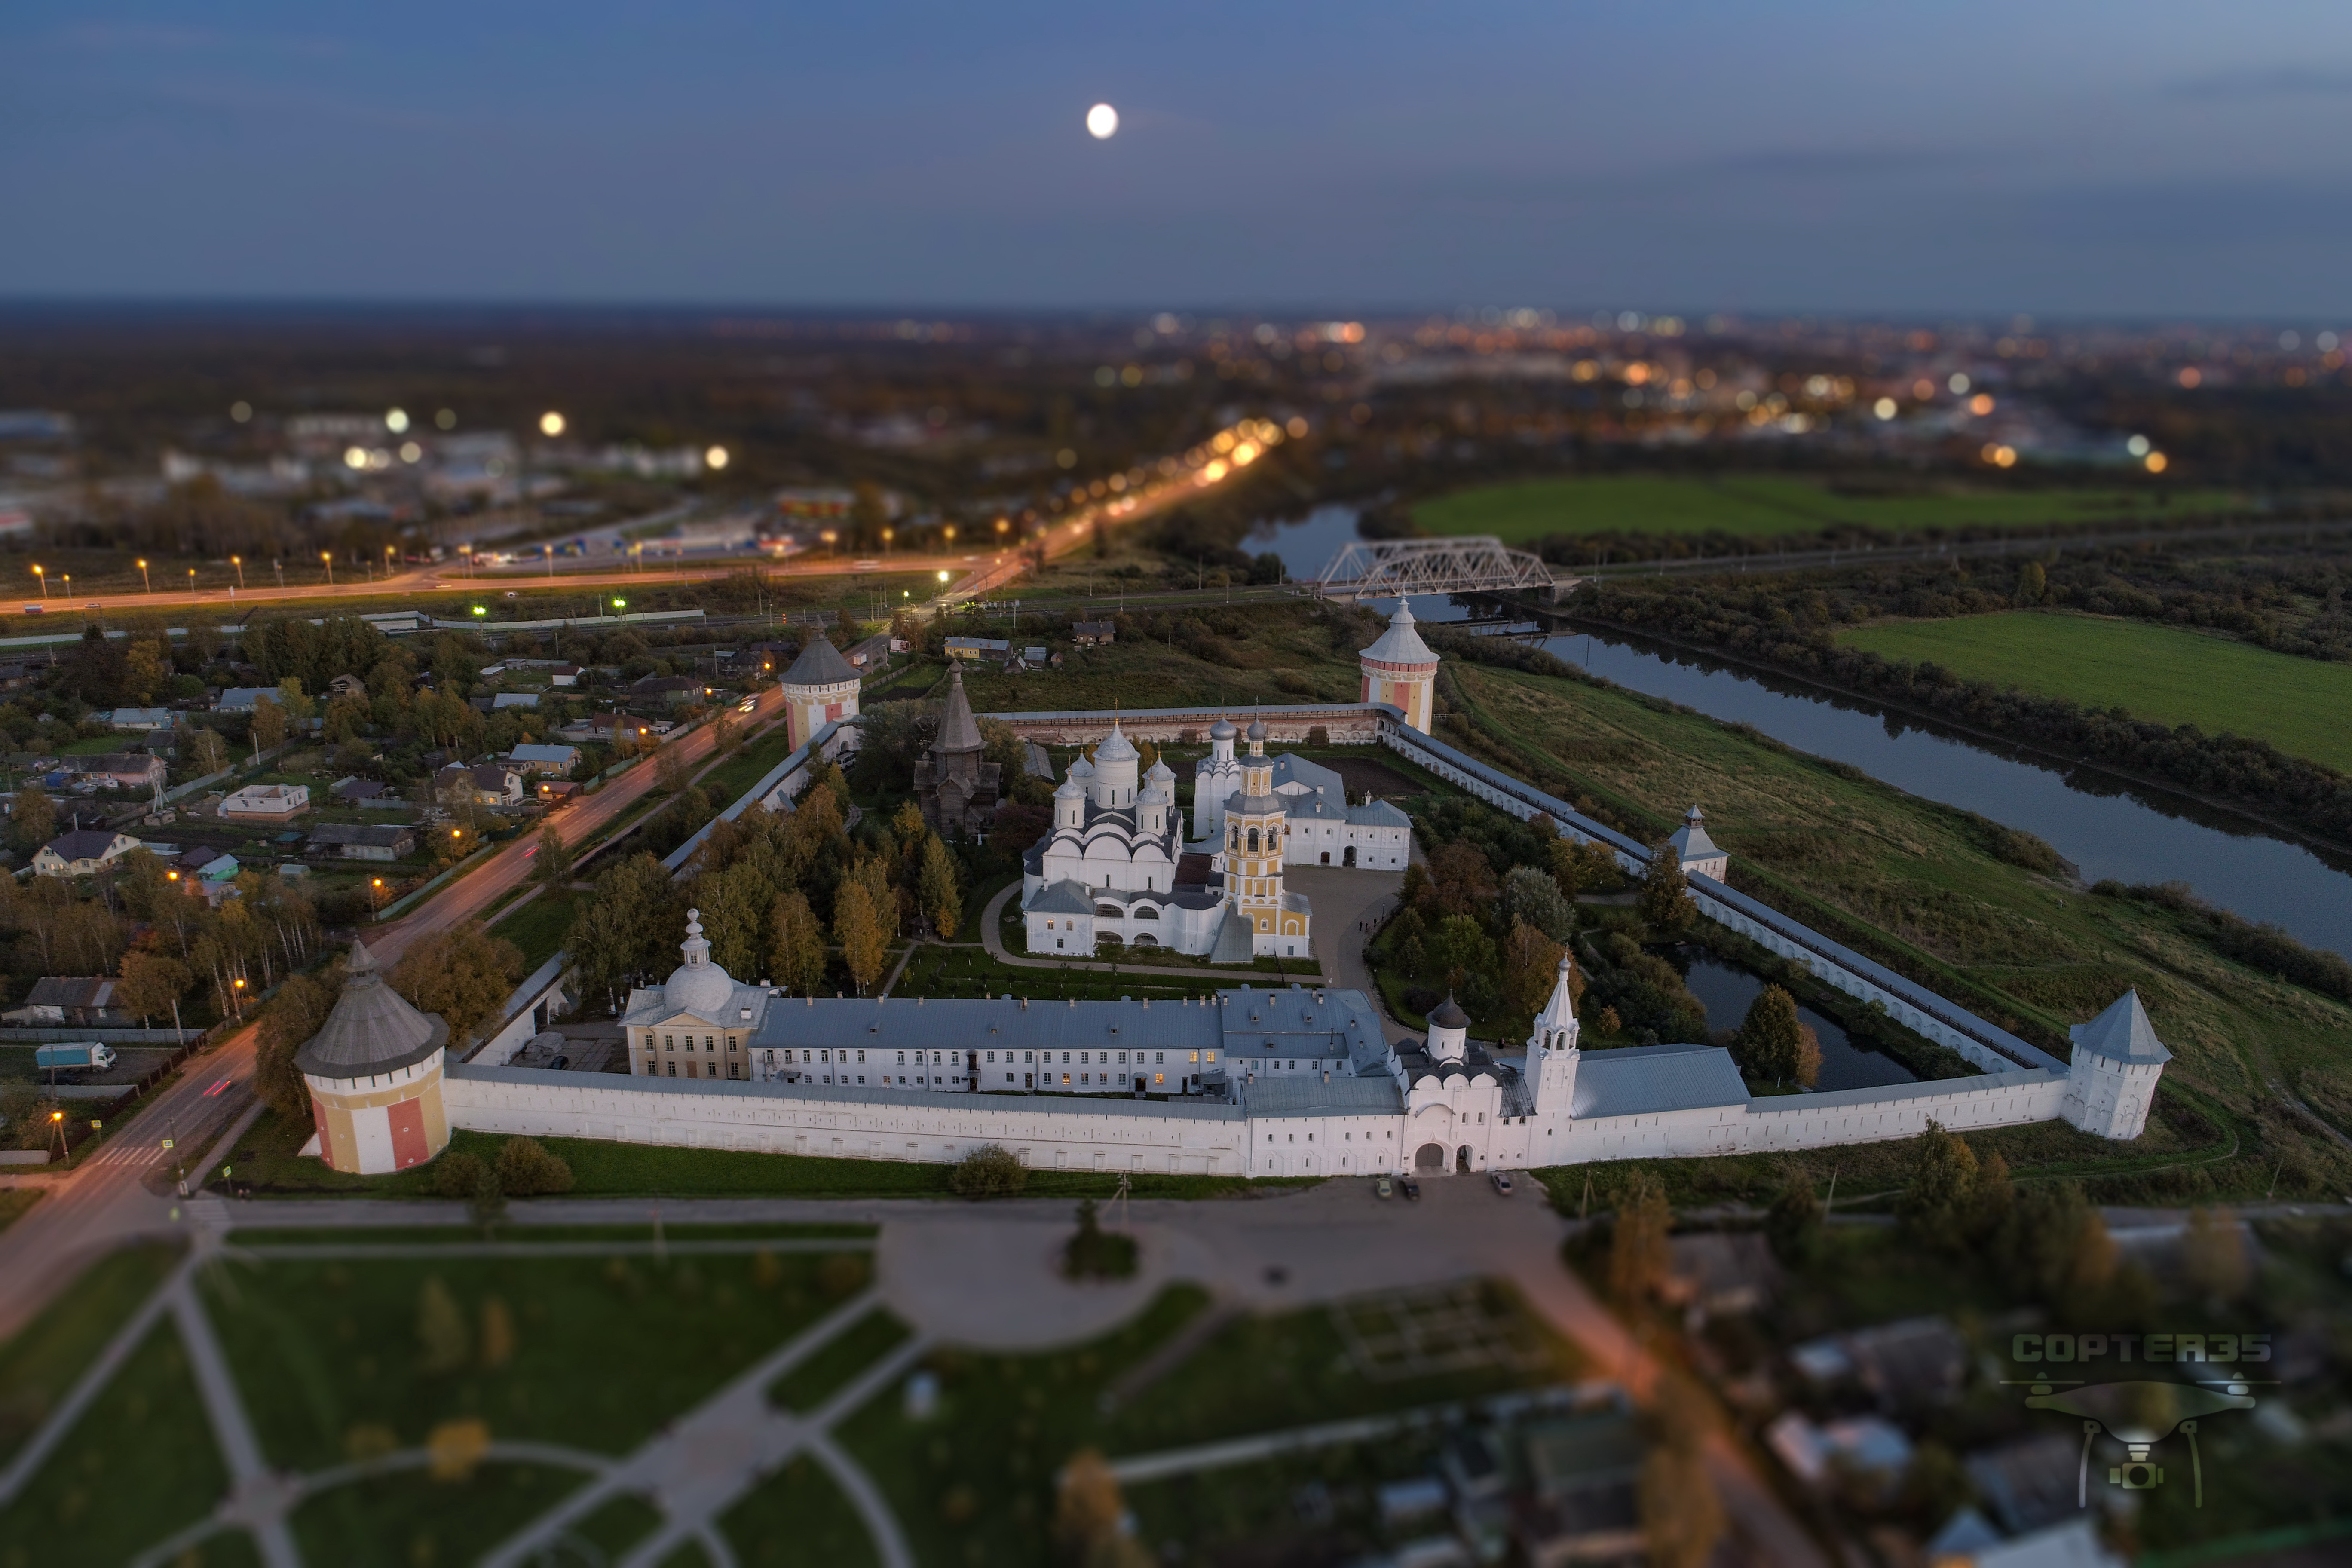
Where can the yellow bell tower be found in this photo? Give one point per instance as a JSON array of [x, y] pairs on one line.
[[1256, 830]]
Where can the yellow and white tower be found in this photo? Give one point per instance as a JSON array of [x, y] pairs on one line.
[[374, 1075], [1401, 670], [1256, 822]]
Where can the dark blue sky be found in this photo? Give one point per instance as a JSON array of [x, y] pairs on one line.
[[1911, 157]]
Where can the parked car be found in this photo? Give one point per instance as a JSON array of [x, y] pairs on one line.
[[1384, 1187], [1412, 1189], [1502, 1180]]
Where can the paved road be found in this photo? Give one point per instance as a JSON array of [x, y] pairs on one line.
[[509, 867], [122, 1190]]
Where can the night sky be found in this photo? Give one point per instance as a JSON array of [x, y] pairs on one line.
[[2067, 158]]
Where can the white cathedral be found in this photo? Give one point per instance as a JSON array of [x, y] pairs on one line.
[[1116, 862]]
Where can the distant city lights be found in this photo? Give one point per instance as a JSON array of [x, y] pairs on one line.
[[2138, 446], [551, 423], [395, 420], [716, 458], [1885, 408], [1959, 384], [1102, 122]]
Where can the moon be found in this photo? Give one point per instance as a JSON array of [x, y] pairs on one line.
[[1102, 121]]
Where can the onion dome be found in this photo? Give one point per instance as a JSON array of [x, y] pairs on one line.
[[1257, 730], [1222, 729], [1116, 748], [1449, 1016], [372, 1030]]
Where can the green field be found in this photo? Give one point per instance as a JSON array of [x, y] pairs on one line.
[[2157, 673], [1760, 507]]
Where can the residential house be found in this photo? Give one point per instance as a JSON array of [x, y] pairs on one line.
[[1866, 1450], [15, 675], [84, 852], [1093, 634], [270, 802], [556, 759], [366, 793], [82, 1001], [207, 874], [555, 791], [514, 700], [675, 691], [139, 721], [563, 675], [1028, 659], [241, 698], [140, 771], [366, 841], [347, 686], [994, 648], [486, 784], [1718, 1273]]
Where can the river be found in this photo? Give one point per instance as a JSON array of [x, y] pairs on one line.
[[2103, 824]]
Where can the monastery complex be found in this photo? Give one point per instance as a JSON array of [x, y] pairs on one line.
[[1238, 1079]]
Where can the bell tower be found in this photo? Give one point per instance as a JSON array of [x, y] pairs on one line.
[[1552, 1052]]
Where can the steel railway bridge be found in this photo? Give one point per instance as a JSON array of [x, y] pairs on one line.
[[1386, 568]]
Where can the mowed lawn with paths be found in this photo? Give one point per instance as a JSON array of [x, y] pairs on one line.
[[1760, 507], [2158, 673]]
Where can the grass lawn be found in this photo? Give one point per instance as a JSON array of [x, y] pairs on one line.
[[408, 1518], [38, 1366], [328, 1356], [2158, 673], [16, 1201], [1763, 505], [797, 1519], [749, 765], [138, 1466], [815, 1380], [540, 927], [976, 1482], [1926, 888]]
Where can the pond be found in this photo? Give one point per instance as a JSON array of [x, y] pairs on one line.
[[2105, 825], [1726, 992]]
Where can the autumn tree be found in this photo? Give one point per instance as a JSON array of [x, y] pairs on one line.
[[1939, 1190], [1665, 904], [1773, 1042], [553, 865], [1682, 1516], [941, 900], [210, 752], [1532, 896], [1530, 968], [151, 982], [1088, 1516], [857, 927], [297, 1012], [35, 821], [269, 724], [1638, 1255], [464, 974], [795, 944]]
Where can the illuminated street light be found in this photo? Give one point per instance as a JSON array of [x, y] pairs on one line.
[[328, 557], [239, 562], [143, 577], [716, 458], [45, 583], [551, 423]]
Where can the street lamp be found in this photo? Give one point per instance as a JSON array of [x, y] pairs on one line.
[[45, 583], [191, 580], [239, 562], [144, 578], [328, 558], [280, 567], [886, 541], [376, 898]]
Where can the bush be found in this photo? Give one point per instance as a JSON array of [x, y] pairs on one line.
[[457, 1175], [1094, 1253], [840, 1273], [991, 1172], [525, 1169]]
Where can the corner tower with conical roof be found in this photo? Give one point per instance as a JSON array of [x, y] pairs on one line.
[[374, 1075], [820, 688], [2113, 1070], [1400, 671]]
